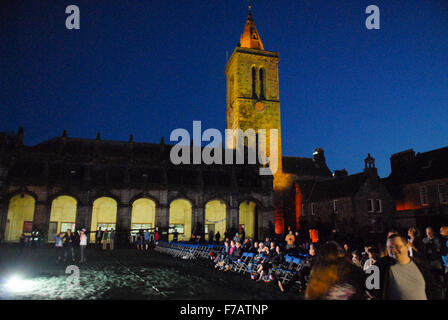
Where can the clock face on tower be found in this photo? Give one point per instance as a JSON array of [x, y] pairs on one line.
[[259, 106]]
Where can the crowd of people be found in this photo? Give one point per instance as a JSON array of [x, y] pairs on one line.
[[408, 266], [70, 245], [399, 267]]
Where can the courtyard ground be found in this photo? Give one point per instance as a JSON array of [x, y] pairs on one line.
[[124, 274]]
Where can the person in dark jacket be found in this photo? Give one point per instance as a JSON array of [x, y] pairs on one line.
[[69, 242], [235, 255], [277, 257], [444, 251], [98, 237], [334, 277], [224, 253], [403, 277], [217, 236], [432, 255]]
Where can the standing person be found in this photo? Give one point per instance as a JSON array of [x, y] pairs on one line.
[[290, 239], [415, 243], [156, 236], [105, 239], [217, 236], [140, 240], [98, 237], [356, 258], [35, 238], [444, 251], [226, 236], [432, 253], [210, 236], [69, 240], [83, 245], [402, 277], [147, 239], [112, 239], [175, 235], [374, 256], [314, 235], [59, 245], [297, 239], [243, 234], [333, 277]]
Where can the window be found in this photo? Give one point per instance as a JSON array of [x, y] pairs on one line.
[[337, 206], [370, 207], [262, 83], [209, 227], [313, 211], [178, 227], [67, 225], [424, 196], [443, 193], [105, 226], [136, 227], [378, 205], [254, 83]]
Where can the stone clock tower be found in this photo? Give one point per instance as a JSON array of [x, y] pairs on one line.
[[253, 100]]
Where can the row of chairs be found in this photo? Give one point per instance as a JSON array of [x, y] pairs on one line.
[[246, 264], [187, 250]]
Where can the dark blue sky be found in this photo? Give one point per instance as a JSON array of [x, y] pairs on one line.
[[148, 67]]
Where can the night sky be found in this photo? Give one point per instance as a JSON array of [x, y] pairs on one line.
[[149, 67]]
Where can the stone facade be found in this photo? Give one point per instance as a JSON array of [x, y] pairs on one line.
[[87, 169], [349, 203]]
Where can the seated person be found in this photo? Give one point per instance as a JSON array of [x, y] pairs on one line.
[[265, 264], [302, 271], [224, 253], [246, 245], [234, 256], [254, 248]]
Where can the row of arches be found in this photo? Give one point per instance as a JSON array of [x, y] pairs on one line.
[[63, 212]]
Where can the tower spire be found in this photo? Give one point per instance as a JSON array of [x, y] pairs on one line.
[[250, 37]]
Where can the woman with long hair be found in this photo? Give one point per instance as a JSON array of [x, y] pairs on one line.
[[334, 276]]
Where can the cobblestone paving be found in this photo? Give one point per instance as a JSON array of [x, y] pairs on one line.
[[124, 274]]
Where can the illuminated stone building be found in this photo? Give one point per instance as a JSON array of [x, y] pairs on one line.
[[89, 183], [70, 182], [253, 102], [358, 203]]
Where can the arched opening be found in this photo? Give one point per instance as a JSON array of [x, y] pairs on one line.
[[180, 219], [262, 84], [215, 218], [62, 216], [247, 218], [20, 217], [104, 215], [143, 215]]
